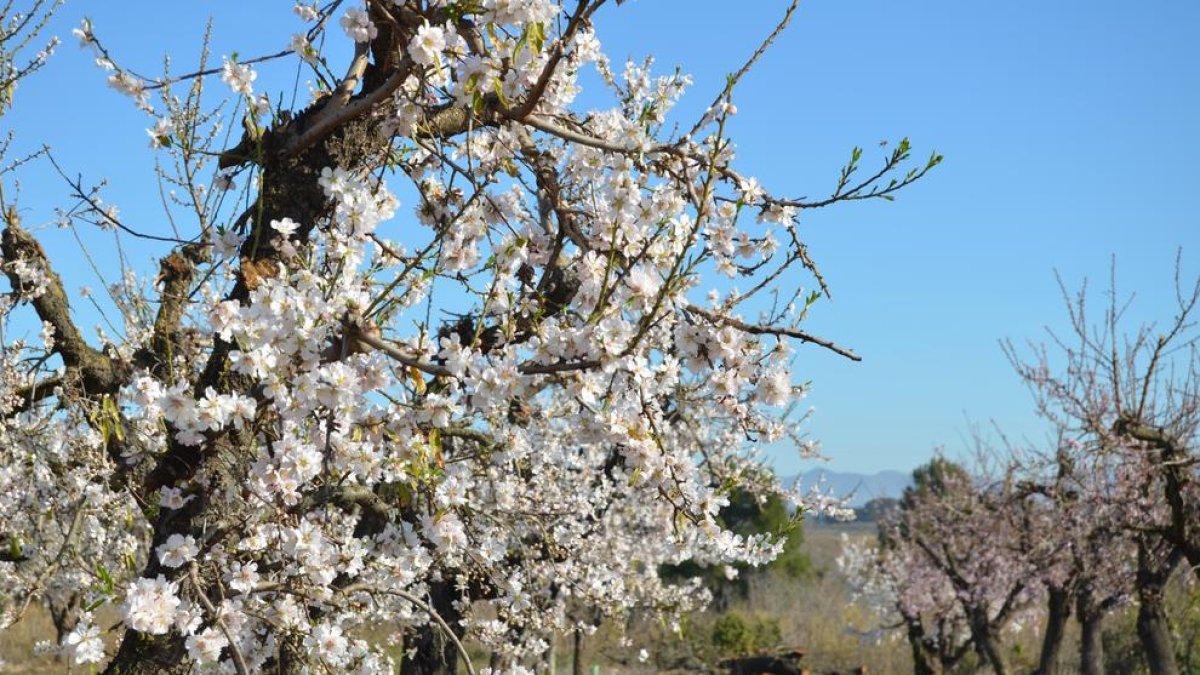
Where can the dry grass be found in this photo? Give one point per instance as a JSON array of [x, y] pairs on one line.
[[816, 615], [17, 642]]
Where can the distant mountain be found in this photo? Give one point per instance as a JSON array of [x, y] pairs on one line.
[[859, 487]]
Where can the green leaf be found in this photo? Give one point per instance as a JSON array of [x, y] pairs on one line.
[[537, 36], [109, 586], [498, 87], [521, 42]]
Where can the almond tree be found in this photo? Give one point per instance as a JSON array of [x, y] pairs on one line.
[[907, 595], [970, 530], [51, 511], [1131, 398], [481, 418], [957, 564], [1085, 554]]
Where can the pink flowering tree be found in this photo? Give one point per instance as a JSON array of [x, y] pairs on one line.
[[1076, 521], [1131, 396], [1105, 518], [957, 564], [906, 596], [491, 416], [972, 531]]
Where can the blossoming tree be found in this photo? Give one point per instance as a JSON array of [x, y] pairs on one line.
[[1085, 531], [968, 556], [1131, 395], [973, 571], [322, 422], [1108, 516]]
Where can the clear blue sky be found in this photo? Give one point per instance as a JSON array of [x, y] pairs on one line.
[[1069, 130]]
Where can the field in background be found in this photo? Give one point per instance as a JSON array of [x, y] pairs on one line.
[[17, 643]]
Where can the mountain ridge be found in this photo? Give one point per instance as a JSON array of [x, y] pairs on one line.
[[860, 488]]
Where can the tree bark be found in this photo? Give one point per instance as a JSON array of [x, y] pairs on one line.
[[142, 654], [1155, 634], [987, 644], [552, 656], [990, 647], [1153, 629], [577, 659], [925, 662], [1057, 614], [435, 653], [1091, 646], [64, 613]]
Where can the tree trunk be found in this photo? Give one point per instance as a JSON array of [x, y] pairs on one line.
[[577, 662], [1057, 614], [552, 656], [925, 661], [1152, 627], [64, 612], [986, 642], [435, 653], [1155, 634], [142, 654], [289, 188], [991, 651], [1091, 646]]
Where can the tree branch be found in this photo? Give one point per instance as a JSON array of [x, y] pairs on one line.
[[773, 330], [97, 372]]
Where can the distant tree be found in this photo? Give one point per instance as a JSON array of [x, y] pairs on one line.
[[1131, 398], [1076, 530], [968, 575], [906, 593], [877, 509], [1106, 517]]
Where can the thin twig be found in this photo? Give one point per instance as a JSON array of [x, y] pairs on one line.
[[433, 614], [772, 330], [762, 49], [239, 661]]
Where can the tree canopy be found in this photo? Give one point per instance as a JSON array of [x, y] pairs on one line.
[[491, 412]]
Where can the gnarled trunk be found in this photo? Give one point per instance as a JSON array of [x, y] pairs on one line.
[[990, 648], [987, 643], [1153, 629], [1058, 612], [925, 660], [1155, 634], [288, 189]]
